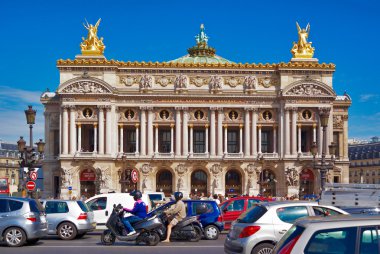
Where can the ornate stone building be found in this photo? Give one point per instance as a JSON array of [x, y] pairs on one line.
[[199, 123]]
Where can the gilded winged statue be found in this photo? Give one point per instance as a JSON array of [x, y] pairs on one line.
[[92, 45], [303, 48]]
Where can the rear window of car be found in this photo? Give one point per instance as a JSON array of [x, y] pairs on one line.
[[3, 206], [291, 235], [35, 207], [292, 213], [252, 215], [98, 204], [155, 196], [201, 208], [15, 205], [83, 206]]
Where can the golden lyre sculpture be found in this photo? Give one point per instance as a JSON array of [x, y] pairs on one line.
[[92, 45], [302, 49]]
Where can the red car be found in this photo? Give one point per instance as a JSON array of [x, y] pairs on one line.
[[232, 208]]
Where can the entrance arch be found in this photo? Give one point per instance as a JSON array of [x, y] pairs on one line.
[[199, 182], [126, 181], [306, 183], [267, 183], [87, 178], [233, 183], [164, 182]]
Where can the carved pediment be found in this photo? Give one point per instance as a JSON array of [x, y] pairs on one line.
[[308, 88], [87, 86]]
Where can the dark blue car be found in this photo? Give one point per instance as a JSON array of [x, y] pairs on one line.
[[211, 219]]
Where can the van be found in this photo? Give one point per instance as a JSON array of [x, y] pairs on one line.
[[102, 205]]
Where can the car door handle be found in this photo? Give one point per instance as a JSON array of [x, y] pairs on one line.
[[106, 213], [282, 231]]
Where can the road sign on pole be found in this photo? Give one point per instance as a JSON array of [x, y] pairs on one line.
[[134, 176], [30, 185], [33, 175]]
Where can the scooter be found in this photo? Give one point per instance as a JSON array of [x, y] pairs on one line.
[[148, 231]]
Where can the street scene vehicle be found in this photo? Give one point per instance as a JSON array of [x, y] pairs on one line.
[[22, 220], [257, 230], [68, 219], [234, 207], [208, 213], [148, 230], [334, 234], [102, 205]]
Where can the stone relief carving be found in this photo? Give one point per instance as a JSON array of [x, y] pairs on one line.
[[165, 80], [233, 81], [307, 89], [105, 178], [250, 82], [181, 81], [146, 169], [250, 184], [129, 80], [216, 83], [145, 183], [338, 121], [216, 184], [250, 169], [146, 82], [199, 81], [267, 82], [66, 176], [216, 169], [181, 169], [85, 87], [180, 183], [292, 176]]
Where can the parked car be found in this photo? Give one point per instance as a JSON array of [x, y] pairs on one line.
[[234, 207], [102, 205], [211, 220], [258, 229], [335, 234], [22, 220], [362, 210], [68, 219]]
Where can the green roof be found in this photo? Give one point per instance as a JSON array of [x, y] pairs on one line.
[[200, 59]]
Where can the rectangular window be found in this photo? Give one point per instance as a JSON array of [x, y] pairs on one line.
[[199, 141], [291, 213], [130, 145], [336, 141], [56, 142], [369, 240], [56, 207], [232, 142], [164, 141], [265, 142]]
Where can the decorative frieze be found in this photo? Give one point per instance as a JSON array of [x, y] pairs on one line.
[[234, 81], [86, 87]]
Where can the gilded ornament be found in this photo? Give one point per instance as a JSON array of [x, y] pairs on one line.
[[234, 81], [92, 46], [303, 48]]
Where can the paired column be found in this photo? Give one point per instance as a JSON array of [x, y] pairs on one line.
[[150, 132], [47, 134], [299, 138], [121, 138], [212, 132], [101, 130], [241, 139], [95, 138], [178, 132], [206, 139], [73, 131], [254, 131], [220, 133], [314, 132], [225, 139], [275, 139], [259, 127], [171, 139], [191, 139], [137, 139], [79, 137], [65, 131], [156, 139], [143, 131], [247, 145], [294, 131], [108, 130], [185, 138], [287, 132]]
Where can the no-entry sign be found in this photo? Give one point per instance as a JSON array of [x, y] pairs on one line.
[[30, 185]]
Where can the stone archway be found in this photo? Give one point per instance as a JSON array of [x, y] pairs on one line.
[[199, 182], [234, 183], [88, 182], [307, 185], [268, 183], [164, 181]]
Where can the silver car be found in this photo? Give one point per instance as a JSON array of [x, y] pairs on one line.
[[68, 219], [22, 221], [257, 230]]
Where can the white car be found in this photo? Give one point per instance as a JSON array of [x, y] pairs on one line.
[[334, 234]]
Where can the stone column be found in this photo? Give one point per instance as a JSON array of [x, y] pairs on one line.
[[95, 138], [65, 132], [274, 138], [259, 143], [108, 130], [150, 132], [121, 139], [299, 138], [47, 135], [73, 132], [156, 139], [341, 145], [212, 132], [60, 131], [330, 132], [191, 139], [225, 139], [320, 135], [220, 132], [79, 149], [171, 139], [294, 131], [287, 132], [345, 137], [247, 144], [241, 139], [185, 139], [254, 132], [281, 133], [143, 131], [206, 139], [137, 126], [101, 130], [177, 132], [314, 132]]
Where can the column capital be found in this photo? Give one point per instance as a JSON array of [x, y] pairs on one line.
[[107, 108], [191, 125], [156, 125], [324, 110], [137, 125], [79, 125], [100, 107], [314, 125], [95, 125], [220, 109], [172, 125], [275, 126], [146, 108], [225, 125], [248, 108], [345, 117], [206, 125], [121, 125], [65, 107], [299, 125], [255, 110], [241, 126], [259, 126]]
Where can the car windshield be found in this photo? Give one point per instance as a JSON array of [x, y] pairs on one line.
[[155, 196], [252, 215]]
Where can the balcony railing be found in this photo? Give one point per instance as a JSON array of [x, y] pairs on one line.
[[164, 155], [234, 155], [200, 155], [270, 155]]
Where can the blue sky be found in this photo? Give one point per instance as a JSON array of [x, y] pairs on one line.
[[34, 34]]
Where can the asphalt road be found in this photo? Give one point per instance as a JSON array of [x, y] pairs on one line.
[[90, 244]]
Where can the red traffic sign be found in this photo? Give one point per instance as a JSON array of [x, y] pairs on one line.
[[33, 175], [30, 185], [134, 176]]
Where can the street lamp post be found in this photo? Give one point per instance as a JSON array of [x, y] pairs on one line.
[[323, 166]]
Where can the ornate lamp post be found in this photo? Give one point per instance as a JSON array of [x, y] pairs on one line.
[[323, 166]]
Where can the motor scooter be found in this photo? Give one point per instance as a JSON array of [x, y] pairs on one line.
[[148, 230]]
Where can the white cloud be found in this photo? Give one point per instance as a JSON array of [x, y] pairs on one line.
[[368, 97], [9, 93]]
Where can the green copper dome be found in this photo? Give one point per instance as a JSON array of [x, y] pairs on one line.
[[201, 53]]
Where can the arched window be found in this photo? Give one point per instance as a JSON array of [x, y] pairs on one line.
[[164, 182], [233, 183], [199, 182]]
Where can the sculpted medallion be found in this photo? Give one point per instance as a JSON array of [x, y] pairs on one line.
[[129, 80]]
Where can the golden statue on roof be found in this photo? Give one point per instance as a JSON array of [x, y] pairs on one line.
[[302, 49], [92, 45]]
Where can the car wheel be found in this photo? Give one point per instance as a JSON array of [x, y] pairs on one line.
[[67, 231], [198, 234], [264, 248], [107, 238], [211, 232], [32, 241], [14, 237]]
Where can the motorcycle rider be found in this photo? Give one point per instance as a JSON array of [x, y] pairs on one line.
[[138, 211], [178, 211]]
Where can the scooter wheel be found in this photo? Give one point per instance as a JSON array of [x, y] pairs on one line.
[[198, 234], [153, 239], [107, 238]]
